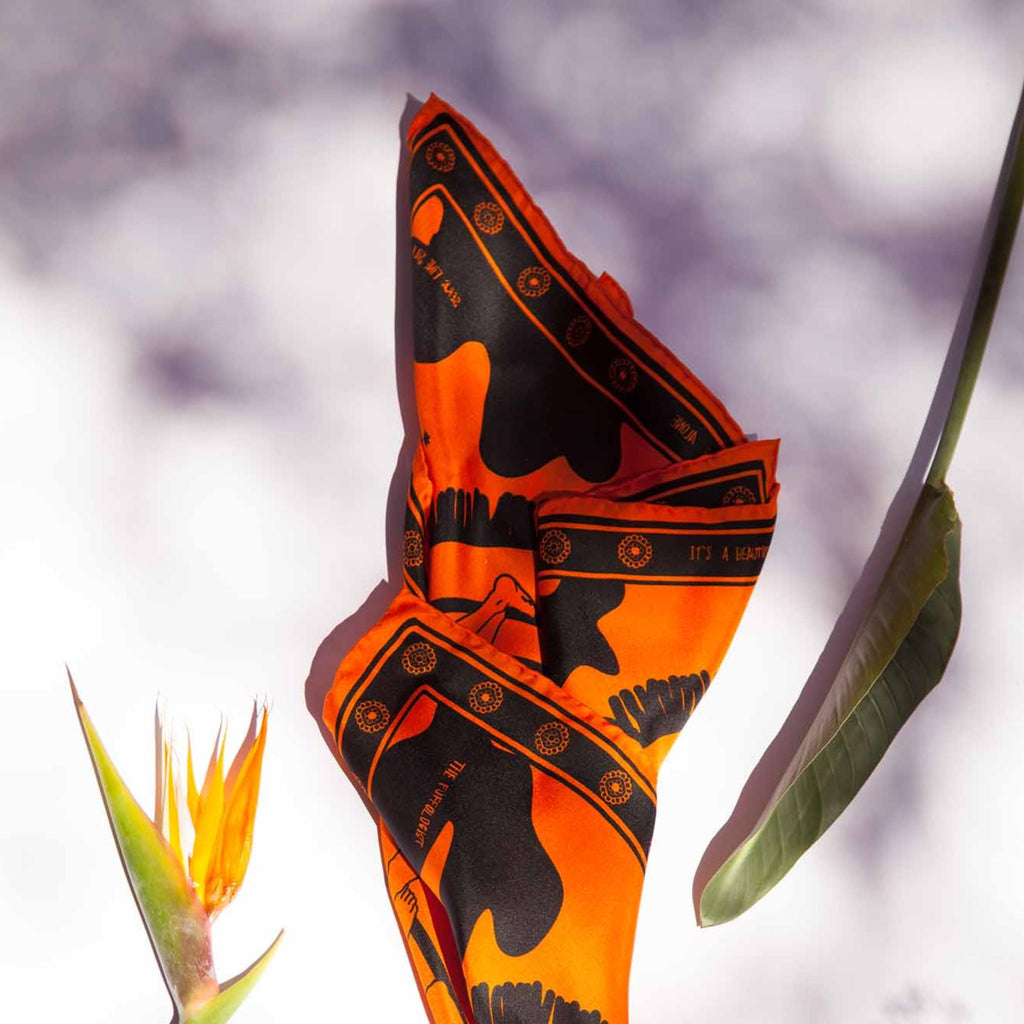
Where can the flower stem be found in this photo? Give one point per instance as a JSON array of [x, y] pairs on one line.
[[980, 304]]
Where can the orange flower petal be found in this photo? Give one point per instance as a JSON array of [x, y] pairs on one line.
[[211, 807], [215, 766], [193, 793], [242, 753], [231, 857]]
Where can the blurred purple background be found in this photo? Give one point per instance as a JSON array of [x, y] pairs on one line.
[[200, 425]]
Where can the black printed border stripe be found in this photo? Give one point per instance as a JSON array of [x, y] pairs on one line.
[[486, 669], [387, 650], [731, 475], [717, 435], [710, 495], [646, 401], [446, 120], [454, 670], [549, 767], [415, 501], [414, 554], [631, 553], [415, 544], [573, 519], [655, 581]]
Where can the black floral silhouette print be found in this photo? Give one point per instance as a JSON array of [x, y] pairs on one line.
[[527, 1004]]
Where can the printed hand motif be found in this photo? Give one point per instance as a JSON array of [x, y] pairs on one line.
[[406, 907], [438, 991], [658, 709]]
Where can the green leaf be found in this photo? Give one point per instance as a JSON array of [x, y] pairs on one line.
[[901, 649], [178, 928], [897, 657], [232, 993]]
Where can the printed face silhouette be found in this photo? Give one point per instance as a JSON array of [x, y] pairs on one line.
[[483, 809], [536, 402]]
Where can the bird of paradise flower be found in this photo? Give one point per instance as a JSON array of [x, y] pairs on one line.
[[178, 898]]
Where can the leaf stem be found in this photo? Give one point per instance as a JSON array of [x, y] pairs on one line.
[[980, 303]]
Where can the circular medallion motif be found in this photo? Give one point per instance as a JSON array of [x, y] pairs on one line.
[[533, 281], [440, 156], [554, 547], [739, 495], [635, 550], [622, 375], [615, 787], [551, 738], [412, 548], [488, 217], [486, 697], [578, 331], [371, 716], [418, 658]]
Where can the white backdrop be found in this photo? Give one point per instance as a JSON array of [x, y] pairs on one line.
[[200, 426]]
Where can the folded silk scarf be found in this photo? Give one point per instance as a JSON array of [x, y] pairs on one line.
[[584, 527]]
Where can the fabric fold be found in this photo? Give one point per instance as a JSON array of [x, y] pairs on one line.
[[638, 600], [584, 526], [476, 765]]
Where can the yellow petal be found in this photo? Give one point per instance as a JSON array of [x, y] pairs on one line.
[[211, 807], [161, 769], [164, 780], [195, 796], [231, 857], [193, 793], [173, 825], [215, 767]]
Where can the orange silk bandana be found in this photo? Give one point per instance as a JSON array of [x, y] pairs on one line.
[[585, 525]]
